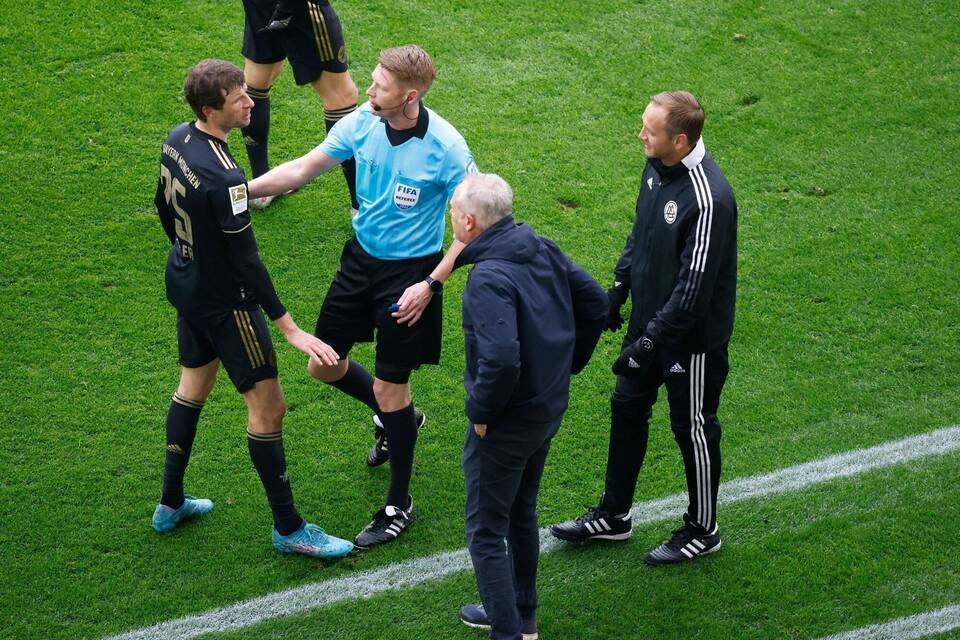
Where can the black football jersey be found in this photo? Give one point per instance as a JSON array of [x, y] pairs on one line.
[[201, 197]]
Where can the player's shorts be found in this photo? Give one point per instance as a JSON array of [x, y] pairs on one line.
[[240, 339], [358, 302], [313, 41]]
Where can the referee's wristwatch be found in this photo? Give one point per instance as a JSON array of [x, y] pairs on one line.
[[436, 286]]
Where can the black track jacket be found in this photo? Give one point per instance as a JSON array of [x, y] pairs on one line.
[[680, 260]]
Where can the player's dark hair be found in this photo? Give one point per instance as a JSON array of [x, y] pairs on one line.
[[410, 65], [684, 114], [209, 82]]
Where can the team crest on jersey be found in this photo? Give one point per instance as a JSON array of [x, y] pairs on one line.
[[670, 212], [405, 196], [238, 198]]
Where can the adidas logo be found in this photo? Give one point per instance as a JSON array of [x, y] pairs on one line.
[[676, 368], [632, 363], [174, 448]]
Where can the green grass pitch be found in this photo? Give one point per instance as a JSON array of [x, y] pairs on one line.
[[838, 125]]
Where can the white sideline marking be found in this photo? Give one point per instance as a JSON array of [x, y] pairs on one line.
[[918, 626], [419, 570]]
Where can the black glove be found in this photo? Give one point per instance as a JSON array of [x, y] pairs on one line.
[[634, 359], [616, 297], [282, 15]]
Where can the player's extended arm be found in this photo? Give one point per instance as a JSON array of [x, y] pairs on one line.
[[293, 174]]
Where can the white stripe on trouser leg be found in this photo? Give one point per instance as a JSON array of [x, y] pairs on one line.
[[698, 441], [707, 479], [694, 379]]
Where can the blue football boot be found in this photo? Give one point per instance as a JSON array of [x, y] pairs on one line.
[[311, 540], [165, 519]]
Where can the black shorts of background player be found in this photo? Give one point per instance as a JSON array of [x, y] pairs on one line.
[[308, 33], [218, 285]]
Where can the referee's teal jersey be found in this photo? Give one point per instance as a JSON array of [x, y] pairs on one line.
[[403, 190]]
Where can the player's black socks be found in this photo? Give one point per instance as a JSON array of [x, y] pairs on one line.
[[182, 420], [256, 133], [401, 428], [349, 166], [266, 451], [358, 383]]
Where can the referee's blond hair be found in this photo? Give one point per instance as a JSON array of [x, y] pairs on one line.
[[410, 65]]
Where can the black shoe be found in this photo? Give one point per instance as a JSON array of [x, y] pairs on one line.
[[686, 543], [378, 452], [474, 616], [595, 524], [387, 524]]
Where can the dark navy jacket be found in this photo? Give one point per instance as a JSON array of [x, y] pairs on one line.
[[531, 318], [681, 258]]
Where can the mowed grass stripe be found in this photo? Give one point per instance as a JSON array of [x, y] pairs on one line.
[[438, 566], [921, 625]]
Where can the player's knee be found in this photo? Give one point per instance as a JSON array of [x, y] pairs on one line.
[[391, 396], [269, 419], [336, 90], [327, 373]]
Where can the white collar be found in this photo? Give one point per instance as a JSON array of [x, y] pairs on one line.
[[695, 157]]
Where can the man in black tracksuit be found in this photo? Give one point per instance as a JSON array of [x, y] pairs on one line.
[[680, 264], [531, 318]]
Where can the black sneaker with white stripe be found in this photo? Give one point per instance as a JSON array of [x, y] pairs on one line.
[[595, 524], [379, 452], [686, 543], [387, 524]]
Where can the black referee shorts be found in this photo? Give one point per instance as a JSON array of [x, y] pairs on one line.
[[358, 303], [240, 339], [313, 41]]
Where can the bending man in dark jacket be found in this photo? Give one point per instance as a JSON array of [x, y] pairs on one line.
[[680, 265], [531, 318]]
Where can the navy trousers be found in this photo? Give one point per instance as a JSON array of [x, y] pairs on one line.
[[502, 477]]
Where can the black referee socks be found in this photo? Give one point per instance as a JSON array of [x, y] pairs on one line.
[[358, 383], [401, 428]]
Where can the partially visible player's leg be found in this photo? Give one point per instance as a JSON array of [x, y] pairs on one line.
[[339, 95], [263, 54], [318, 56], [259, 79]]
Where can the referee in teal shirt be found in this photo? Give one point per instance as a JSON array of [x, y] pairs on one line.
[[390, 281]]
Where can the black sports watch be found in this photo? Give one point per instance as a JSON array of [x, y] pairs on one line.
[[436, 286]]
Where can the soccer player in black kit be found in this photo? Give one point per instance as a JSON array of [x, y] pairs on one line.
[[679, 267], [218, 284]]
